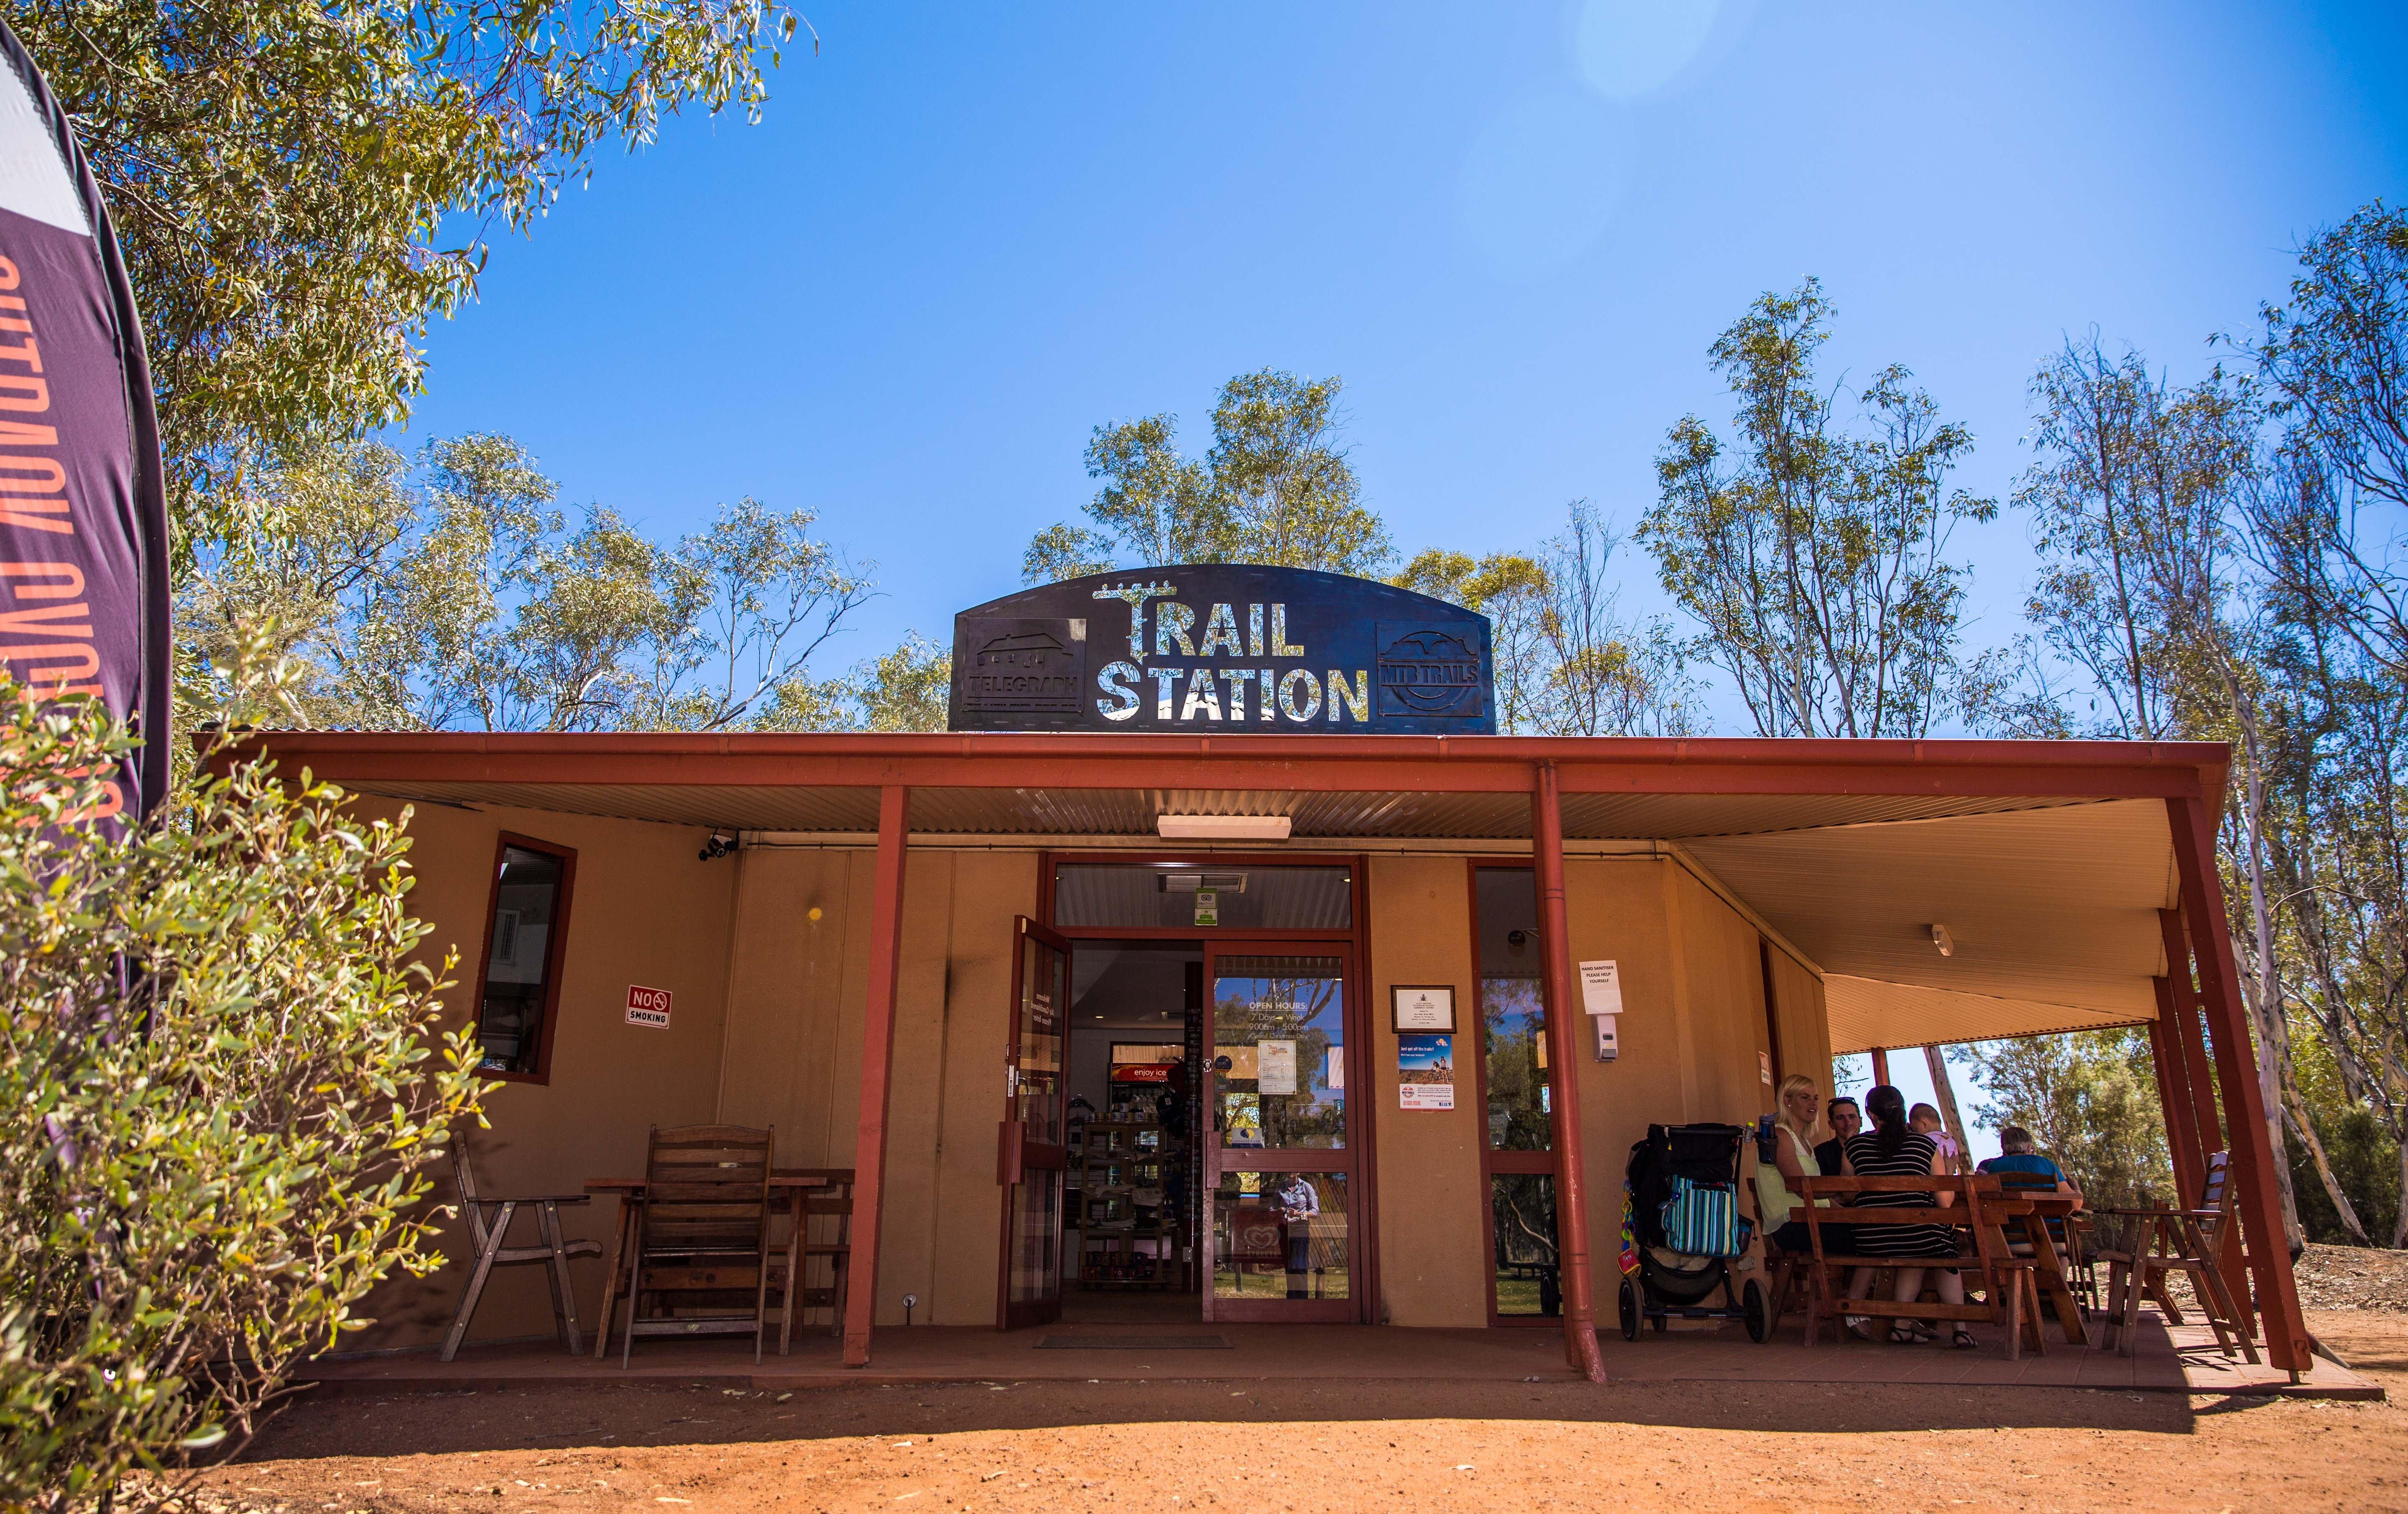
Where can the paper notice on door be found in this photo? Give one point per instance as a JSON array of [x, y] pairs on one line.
[[1275, 1066], [1208, 907], [1336, 1075]]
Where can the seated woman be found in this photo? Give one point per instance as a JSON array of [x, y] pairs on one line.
[[1889, 1149], [1793, 1134]]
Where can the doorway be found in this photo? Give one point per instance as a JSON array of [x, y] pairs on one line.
[[1182, 1145], [1135, 1038]]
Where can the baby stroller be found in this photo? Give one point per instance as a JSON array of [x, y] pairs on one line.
[[1680, 1230]]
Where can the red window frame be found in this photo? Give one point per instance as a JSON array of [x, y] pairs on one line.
[[555, 952], [1493, 1162]]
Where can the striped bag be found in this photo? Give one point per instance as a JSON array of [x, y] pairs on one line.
[[1702, 1220]]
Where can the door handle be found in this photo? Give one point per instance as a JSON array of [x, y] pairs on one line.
[[1009, 1138]]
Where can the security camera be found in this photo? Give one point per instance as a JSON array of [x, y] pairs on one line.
[[719, 846]]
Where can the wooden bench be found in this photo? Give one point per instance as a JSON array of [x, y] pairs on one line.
[[2011, 1296]]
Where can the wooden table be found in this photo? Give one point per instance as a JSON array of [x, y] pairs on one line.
[[2055, 1286], [787, 1186]]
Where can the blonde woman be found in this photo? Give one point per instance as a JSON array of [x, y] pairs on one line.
[[1793, 1137]]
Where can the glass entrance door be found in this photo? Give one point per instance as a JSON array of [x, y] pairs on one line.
[[1032, 1158], [1280, 1154]]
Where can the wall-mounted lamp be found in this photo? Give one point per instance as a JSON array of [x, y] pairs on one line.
[[1945, 942]]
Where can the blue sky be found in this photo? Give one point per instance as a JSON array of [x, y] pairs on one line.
[[964, 236]]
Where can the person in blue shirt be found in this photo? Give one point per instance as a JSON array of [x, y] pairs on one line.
[[2016, 1155]]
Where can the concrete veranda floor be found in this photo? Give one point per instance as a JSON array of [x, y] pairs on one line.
[[2180, 1360]]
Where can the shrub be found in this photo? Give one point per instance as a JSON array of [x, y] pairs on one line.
[[222, 1082]]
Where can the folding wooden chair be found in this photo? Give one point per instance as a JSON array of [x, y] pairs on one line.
[[702, 1235], [2157, 1242], [831, 1237], [489, 1232]]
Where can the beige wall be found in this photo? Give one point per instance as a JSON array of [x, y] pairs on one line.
[[1692, 1030], [1433, 1254], [644, 911], [768, 1021], [793, 1049]]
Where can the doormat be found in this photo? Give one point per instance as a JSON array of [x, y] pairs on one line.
[[1132, 1343]]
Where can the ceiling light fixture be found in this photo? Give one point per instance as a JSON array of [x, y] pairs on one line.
[[1221, 827], [1945, 942]]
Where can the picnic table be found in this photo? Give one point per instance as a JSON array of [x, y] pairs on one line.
[[1977, 1205], [788, 1189]]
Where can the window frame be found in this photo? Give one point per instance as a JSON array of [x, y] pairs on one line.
[[1494, 1163], [555, 952]]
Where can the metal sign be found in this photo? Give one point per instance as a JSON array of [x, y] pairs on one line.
[[648, 1006], [1223, 646]]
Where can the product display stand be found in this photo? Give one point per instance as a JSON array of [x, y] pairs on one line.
[[1127, 1238]]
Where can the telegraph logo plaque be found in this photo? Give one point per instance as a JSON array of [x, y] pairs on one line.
[[1021, 667]]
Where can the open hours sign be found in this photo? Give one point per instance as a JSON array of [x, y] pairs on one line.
[[648, 1008]]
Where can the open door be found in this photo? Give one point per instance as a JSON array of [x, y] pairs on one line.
[[1032, 1160]]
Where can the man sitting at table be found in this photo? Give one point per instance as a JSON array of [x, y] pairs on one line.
[[1846, 1119], [2018, 1156]]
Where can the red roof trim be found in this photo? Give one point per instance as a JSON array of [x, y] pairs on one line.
[[1586, 765]]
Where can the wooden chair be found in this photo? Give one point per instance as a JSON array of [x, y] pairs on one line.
[[790, 1268], [2065, 1235], [2010, 1295], [488, 1232], [2157, 1242], [702, 1235]]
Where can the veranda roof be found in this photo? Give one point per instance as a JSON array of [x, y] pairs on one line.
[[2048, 862]]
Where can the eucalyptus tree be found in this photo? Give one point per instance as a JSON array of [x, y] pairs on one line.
[[458, 594], [299, 184], [2335, 360], [1276, 488], [1811, 557], [1568, 661]]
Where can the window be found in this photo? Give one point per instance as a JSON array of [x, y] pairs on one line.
[[1512, 1035], [1183, 896], [1514, 1011], [520, 987]]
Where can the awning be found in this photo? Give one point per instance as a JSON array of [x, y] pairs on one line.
[[2046, 861]]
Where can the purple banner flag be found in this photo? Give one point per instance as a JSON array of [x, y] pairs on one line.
[[83, 528]]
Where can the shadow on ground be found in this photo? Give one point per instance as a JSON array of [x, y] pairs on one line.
[[362, 1424]]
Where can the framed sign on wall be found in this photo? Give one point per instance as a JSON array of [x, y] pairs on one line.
[[1420, 1006]]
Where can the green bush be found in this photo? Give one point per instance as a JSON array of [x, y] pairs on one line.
[[224, 1082]]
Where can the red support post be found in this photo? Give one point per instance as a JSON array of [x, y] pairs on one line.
[[2173, 1097], [1881, 1066], [1563, 1011], [876, 1069], [2287, 1343], [2206, 1121]]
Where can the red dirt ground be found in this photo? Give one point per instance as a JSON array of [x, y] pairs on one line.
[[1703, 1448]]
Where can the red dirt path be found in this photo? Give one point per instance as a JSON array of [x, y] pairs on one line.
[[1701, 1448]]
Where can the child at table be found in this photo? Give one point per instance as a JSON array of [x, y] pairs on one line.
[[1925, 1120]]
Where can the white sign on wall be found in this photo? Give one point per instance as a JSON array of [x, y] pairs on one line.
[[1600, 988], [648, 1008]]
